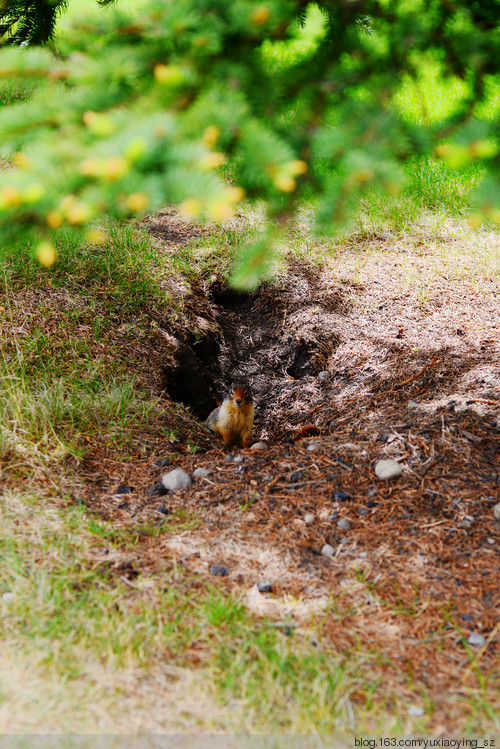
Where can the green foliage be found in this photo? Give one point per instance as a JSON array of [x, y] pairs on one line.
[[199, 103], [28, 22]]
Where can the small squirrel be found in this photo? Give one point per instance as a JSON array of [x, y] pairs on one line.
[[233, 420]]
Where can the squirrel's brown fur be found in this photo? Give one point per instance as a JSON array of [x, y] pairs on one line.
[[233, 420]]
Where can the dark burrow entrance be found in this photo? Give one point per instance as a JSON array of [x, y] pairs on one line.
[[278, 338]]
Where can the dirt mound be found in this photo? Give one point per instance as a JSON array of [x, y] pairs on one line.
[[278, 338]]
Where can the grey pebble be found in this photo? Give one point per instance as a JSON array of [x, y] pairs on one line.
[[344, 524], [496, 511], [328, 551], [363, 511], [387, 469], [324, 375], [312, 446], [8, 597], [157, 490], [219, 570], [475, 638], [163, 462], [340, 496], [229, 458], [309, 519], [176, 479], [333, 516], [239, 458], [259, 446], [124, 489], [265, 586], [199, 472], [412, 404], [416, 711]]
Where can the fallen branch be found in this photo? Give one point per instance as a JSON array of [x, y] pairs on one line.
[[420, 372]]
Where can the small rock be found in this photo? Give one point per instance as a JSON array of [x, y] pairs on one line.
[[124, 489], [372, 491], [340, 496], [157, 490], [333, 516], [328, 551], [201, 472], [467, 618], [265, 586], [163, 509], [387, 469], [259, 446], [324, 375], [8, 597], [312, 446], [229, 458], [296, 476], [176, 479], [363, 511], [344, 524], [412, 404], [371, 503], [490, 541], [475, 638], [344, 540], [363, 554], [219, 570], [496, 511], [416, 711], [163, 462], [465, 524], [308, 519], [239, 458]]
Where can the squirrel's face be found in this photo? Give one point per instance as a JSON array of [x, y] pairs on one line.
[[240, 394]]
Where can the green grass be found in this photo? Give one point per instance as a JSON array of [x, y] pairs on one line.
[[63, 367], [89, 637], [89, 651], [431, 187]]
